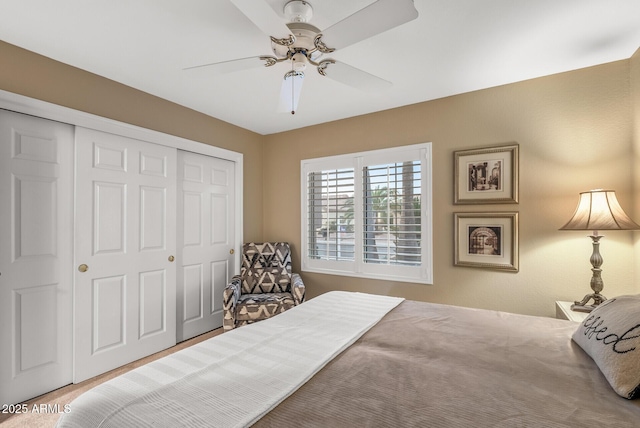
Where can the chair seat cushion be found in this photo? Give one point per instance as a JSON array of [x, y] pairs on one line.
[[255, 307]]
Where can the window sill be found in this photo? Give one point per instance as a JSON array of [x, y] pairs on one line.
[[427, 279]]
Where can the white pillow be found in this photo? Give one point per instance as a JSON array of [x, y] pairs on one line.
[[611, 336]]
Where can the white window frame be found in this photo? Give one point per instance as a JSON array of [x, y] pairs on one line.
[[358, 268]]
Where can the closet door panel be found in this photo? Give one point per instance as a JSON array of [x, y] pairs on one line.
[[206, 225], [36, 215], [109, 233], [125, 250]]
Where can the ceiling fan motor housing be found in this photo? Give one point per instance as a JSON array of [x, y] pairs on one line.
[[305, 35]]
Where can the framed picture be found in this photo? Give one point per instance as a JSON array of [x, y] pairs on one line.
[[487, 240], [486, 176]]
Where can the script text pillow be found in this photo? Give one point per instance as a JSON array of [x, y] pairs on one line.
[[611, 336]]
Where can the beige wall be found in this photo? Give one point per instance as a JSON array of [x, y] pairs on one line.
[[25, 73], [575, 133]]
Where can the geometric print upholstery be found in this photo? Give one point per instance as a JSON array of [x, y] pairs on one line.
[[266, 268], [265, 286], [252, 307]]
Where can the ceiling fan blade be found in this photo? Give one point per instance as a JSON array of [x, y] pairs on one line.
[[344, 73], [290, 92], [374, 19], [264, 17], [224, 67]]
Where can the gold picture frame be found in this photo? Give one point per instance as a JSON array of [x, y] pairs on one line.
[[487, 175], [487, 240]]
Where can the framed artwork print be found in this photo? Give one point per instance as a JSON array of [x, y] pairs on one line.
[[487, 240], [487, 175]]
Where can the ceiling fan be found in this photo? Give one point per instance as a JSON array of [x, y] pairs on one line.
[[302, 44]]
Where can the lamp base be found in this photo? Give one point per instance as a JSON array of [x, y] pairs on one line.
[[582, 306]]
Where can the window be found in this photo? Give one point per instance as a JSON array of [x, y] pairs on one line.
[[369, 214]]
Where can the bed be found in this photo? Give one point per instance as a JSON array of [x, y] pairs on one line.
[[354, 359]]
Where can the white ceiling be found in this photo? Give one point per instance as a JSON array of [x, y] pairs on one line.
[[454, 46]]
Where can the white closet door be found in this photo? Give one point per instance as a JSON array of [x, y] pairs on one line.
[[36, 221], [206, 225], [125, 243]]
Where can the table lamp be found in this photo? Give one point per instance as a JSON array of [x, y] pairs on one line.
[[597, 210]]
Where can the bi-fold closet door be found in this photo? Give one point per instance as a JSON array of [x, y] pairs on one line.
[[143, 266]]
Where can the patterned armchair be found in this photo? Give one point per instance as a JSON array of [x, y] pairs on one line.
[[265, 286]]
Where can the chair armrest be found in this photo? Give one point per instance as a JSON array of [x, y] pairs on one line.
[[297, 288], [230, 299]]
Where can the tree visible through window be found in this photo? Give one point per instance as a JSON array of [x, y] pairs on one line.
[[392, 213]]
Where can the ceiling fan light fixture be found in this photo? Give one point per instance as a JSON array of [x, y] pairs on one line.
[[299, 61], [298, 11]]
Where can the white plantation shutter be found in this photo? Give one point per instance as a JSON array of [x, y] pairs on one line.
[[369, 214], [392, 223], [330, 214]]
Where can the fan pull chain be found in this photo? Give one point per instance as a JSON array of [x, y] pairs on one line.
[[293, 77]]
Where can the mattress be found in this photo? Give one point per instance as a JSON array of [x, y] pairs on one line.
[[431, 365]]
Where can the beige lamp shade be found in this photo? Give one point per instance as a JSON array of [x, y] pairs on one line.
[[599, 210]]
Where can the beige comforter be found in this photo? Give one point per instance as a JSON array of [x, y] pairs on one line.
[[429, 365]]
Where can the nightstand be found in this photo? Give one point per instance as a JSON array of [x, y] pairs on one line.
[[564, 312]]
